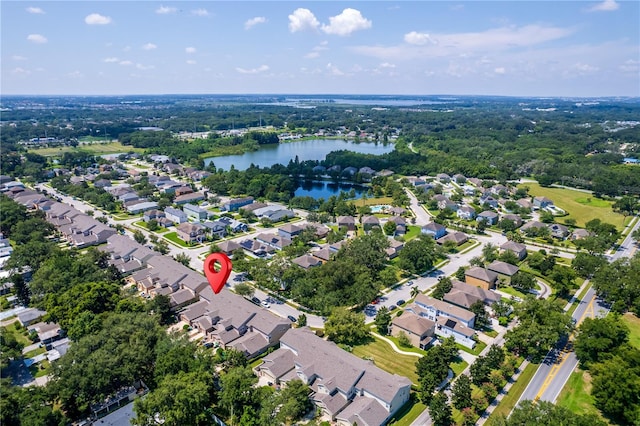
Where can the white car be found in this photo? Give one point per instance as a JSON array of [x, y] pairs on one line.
[[265, 304]]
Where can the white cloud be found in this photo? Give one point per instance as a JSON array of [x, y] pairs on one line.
[[605, 6], [191, 62], [20, 71], [417, 38], [254, 21], [166, 10], [149, 46], [333, 70], [75, 74], [125, 63], [190, 49], [111, 60], [200, 12], [387, 65], [260, 69], [18, 58], [35, 10], [499, 70], [97, 19], [583, 68], [37, 38], [302, 19], [144, 67], [315, 52], [630, 66], [349, 21]]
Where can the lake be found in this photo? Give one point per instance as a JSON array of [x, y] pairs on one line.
[[325, 190], [314, 149]]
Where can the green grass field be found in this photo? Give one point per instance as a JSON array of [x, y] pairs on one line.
[[173, 237], [581, 206], [20, 335], [576, 394], [408, 413], [93, 148], [633, 322], [372, 201], [387, 359]]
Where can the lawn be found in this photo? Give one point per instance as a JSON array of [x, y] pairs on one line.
[[145, 225], [20, 335], [412, 232], [581, 206], [408, 413], [576, 394], [387, 359], [93, 148], [173, 237], [479, 347], [372, 201], [633, 322], [511, 399], [458, 366]]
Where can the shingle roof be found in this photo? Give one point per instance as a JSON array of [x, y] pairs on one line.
[[481, 274], [414, 323], [503, 268]]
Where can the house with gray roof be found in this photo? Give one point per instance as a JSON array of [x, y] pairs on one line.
[[346, 388], [451, 321], [235, 225], [465, 295], [348, 222], [457, 237], [175, 215], [503, 268], [419, 330], [189, 198], [520, 250], [481, 277], [489, 217], [435, 230], [466, 213], [191, 232], [307, 261], [126, 255], [228, 246], [195, 212]]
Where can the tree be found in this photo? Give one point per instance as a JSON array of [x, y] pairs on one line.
[[461, 274], [596, 338], [346, 327], [415, 291], [443, 286], [490, 252], [237, 390], [244, 289], [618, 285], [543, 413], [523, 281], [461, 392], [302, 320], [562, 279], [501, 308], [509, 256], [418, 255], [293, 401], [382, 320], [440, 411], [153, 225], [403, 339], [161, 246], [183, 258], [627, 205], [482, 317], [616, 387], [160, 305], [179, 399], [139, 237], [586, 265], [433, 368], [390, 227]]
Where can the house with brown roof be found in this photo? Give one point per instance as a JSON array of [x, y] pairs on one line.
[[394, 248], [191, 232], [348, 222], [520, 250], [503, 269], [307, 261], [346, 388], [228, 247], [457, 237], [465, 295], [368, 222], [189, 198], [481, 277], [419, 330], [451, 321]]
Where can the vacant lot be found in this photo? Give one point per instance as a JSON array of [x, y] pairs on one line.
[[581, 206], [633, 322], [387, 359], [93, 148]]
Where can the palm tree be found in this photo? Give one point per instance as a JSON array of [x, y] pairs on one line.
[[414, 291]]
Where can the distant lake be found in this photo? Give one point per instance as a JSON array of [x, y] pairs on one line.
[[325, 190], [314, 149]]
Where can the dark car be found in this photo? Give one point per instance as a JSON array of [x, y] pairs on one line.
[[392, 307], [292, 318], [401, 302], [255, 300]]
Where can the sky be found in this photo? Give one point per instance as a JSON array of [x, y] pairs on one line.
[[506, 48]]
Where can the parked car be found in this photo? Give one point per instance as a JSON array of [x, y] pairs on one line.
[[292, 318], [392, 307], [401, 302], [265, 304], [255, 300]]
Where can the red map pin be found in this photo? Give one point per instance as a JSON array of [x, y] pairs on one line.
[[217, 279]]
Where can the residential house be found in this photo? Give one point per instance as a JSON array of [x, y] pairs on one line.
[[195, 212], [465, 295], [369, 222], [183, 190], [324, 254], [416, 181], [168, 186], [216, 228], [457, 237], [274, 213], [394, 248], [253, 206], [468, 190], [234, 322], [475, 182], [29, 316], [349, 171], [163, 275], [524, 203], [481, 277], [257, 248], [346, 388], [460, 179], [466, 213], [580, 233], [102, 183], [419, 330], [290, 231], [520, 250], [443, 177], [228, 247], [191, 232], [435, 230], [175, 215], [499, 190], [140, 206], [235, 203], [189, 198], [79, 229], [397, 211], [235, 225], [517, 220], [307, 261], [401, 224], [504, 270], [489, 217], [48, 332], [488, 200], [448, 204], [559, 231], [451, 320], [126, 255], [273, 240], [532, 224], [152, 214], [348, 222], [367, 171], [541, 202]]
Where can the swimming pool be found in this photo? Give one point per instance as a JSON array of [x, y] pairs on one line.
[[380, 208]]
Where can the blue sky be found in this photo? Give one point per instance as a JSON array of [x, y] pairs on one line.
[[516, 48]]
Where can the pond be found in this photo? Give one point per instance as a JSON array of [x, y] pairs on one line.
[[282, 153], [325, 190]]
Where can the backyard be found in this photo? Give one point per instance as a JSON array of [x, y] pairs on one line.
[[387, 359]]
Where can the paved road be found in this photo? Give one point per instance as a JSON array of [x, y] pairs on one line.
[[559, 363]]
